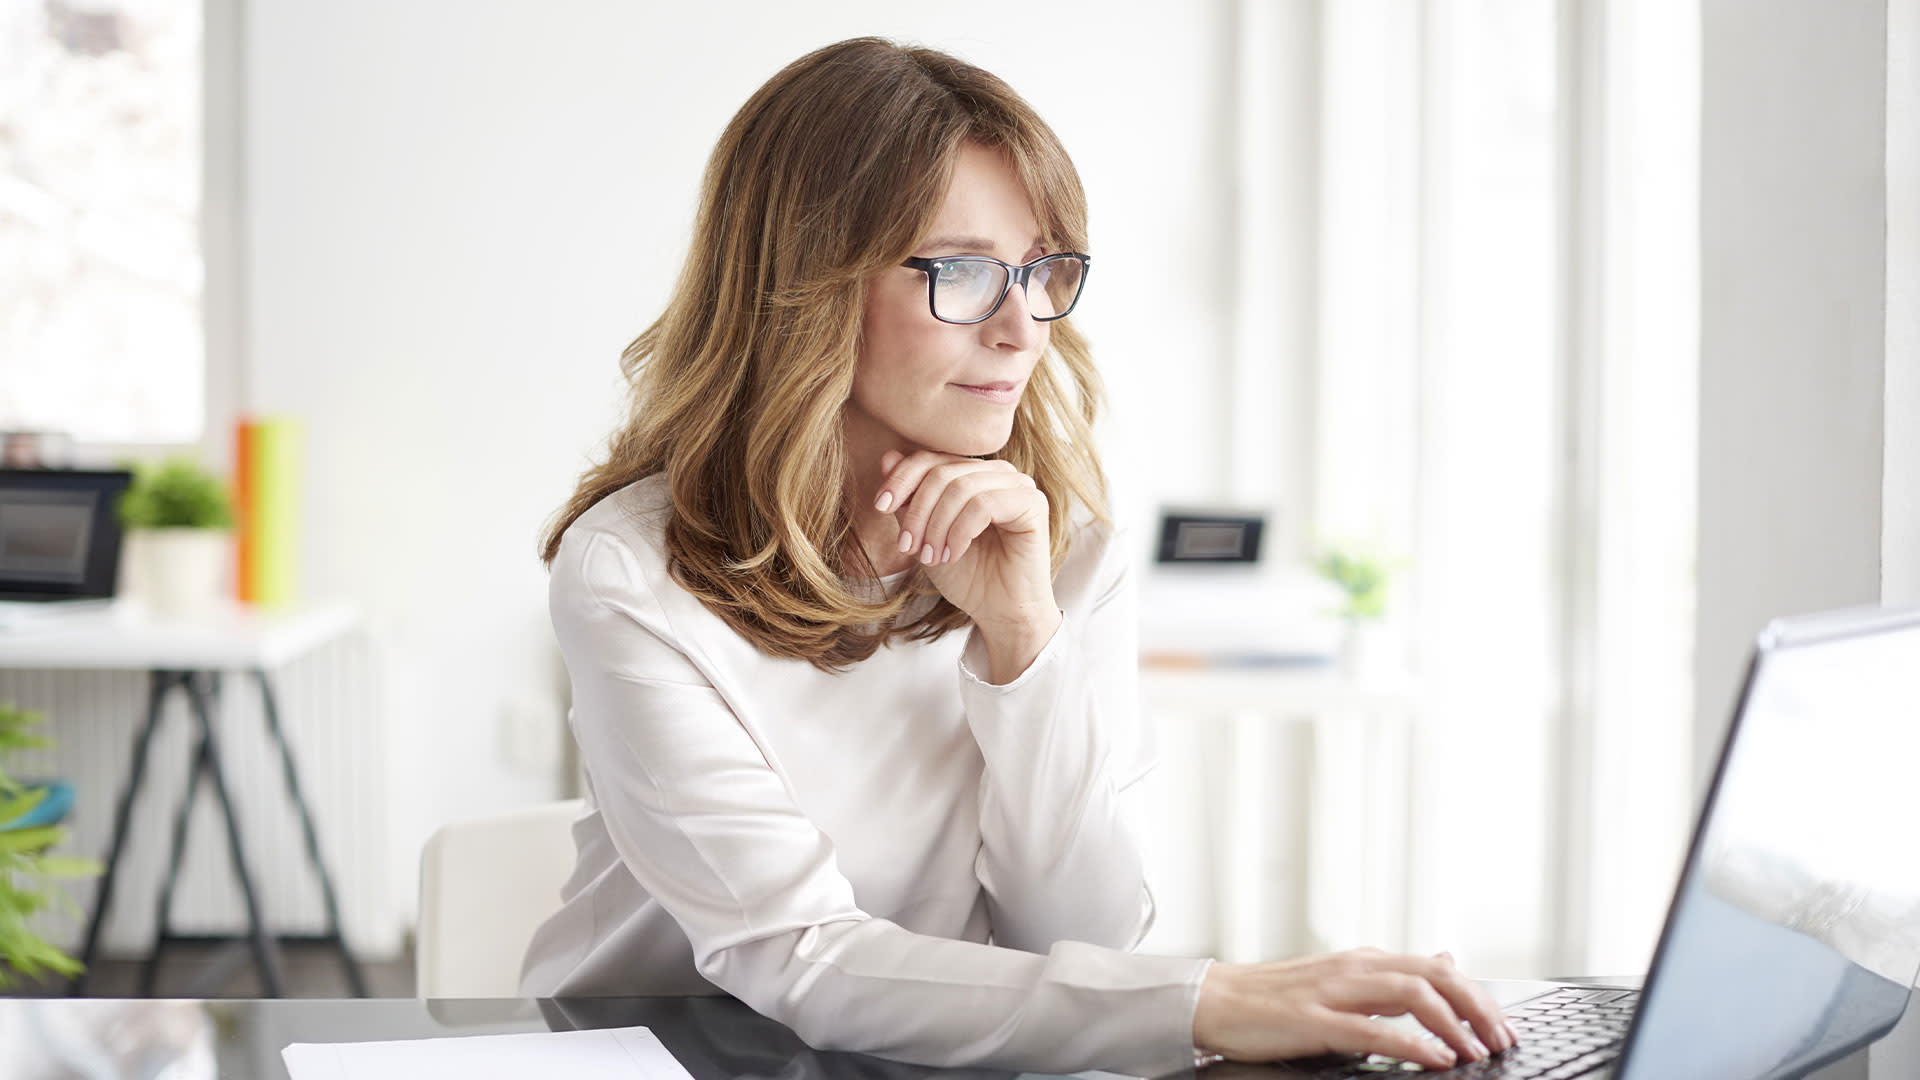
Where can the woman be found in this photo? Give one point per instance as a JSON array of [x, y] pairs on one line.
[[852, 643]]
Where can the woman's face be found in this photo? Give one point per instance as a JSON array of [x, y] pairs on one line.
[[926, 384]]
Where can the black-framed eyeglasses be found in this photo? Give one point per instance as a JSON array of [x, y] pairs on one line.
[[967, 289]]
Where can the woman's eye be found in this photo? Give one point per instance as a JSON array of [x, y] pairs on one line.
[[962, 275]]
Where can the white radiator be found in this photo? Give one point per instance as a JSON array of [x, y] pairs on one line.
[[330, 711]]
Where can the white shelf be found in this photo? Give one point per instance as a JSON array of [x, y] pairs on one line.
[[231, 638], [1279, 691]]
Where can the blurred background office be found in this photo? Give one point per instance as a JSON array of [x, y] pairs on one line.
[[1595, 321]]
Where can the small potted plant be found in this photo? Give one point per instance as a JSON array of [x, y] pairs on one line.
[[181, 518], [1362, 580], [27, 832]]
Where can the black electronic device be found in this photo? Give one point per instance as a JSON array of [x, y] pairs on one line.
[[1197, 537], [60, 533]]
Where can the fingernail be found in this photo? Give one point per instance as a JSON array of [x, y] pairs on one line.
[[883, 502], [1480, 1051], [1511, 1034], [946, 554], [926, 555], [1448, 1059], [906, 542]]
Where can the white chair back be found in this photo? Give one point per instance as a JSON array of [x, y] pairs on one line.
[[485, 885]]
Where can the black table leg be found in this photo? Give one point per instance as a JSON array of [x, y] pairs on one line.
[[150, 971], [202, 689], [103, 899], [264, 951], [355, 978]]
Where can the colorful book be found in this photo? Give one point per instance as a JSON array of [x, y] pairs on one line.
[[243, 511], [269, 472]]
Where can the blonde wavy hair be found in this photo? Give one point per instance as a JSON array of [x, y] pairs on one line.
[[830, 174]]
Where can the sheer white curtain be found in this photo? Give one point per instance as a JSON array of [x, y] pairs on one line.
[[1493, 338], [1635, 169], [1440, 427]]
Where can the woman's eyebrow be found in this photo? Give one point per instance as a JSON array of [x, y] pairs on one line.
[[960, 243], [965, 243]]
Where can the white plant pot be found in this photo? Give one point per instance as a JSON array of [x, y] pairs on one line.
[[182, 573], [1367, 651]]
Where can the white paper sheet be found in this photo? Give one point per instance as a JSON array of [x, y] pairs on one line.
[[631, 1053]]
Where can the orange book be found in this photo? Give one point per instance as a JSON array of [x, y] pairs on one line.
[[246, 549]]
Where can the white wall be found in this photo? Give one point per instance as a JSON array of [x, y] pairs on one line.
[[1900, 574], [1899, 1053], [1792, 326], [457, 214]]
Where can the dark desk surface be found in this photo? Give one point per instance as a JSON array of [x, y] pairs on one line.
[[714, 1038]]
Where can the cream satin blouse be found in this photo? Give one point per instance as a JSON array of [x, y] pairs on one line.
[[900, 859]]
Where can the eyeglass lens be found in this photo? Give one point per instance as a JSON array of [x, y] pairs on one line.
[[965, 290]]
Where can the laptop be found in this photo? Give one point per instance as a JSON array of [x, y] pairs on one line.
[[59, 542], [1794, 935]]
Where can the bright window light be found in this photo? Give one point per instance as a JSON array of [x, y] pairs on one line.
[[101, 277]]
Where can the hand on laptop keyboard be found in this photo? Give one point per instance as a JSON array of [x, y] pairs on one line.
[[1572, 1032], [1331, 1004]]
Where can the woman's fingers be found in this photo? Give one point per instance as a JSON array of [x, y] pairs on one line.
[[1471, 1001], [900, 475], [1456, 1008], [938, 502], [928, 491], [973, 503], [905, 491], [974, 517], [1391, 993], [953, 483], [1350, 1033]]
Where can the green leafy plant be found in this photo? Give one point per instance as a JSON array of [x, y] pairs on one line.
[[26, 869], [177, 493], [1361, 577]]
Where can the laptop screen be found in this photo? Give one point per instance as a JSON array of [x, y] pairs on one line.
[[59, 536], [1795, 933]]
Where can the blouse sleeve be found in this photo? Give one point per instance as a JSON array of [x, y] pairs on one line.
[[710, 830], [1065, 748]]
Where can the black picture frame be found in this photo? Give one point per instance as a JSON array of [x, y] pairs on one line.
[[1189, 538], [100, 575]]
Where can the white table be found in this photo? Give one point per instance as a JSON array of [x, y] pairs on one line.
[[1347, 820], [193, 655]]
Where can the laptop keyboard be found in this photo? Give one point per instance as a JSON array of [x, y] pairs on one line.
[[1567, 1033]]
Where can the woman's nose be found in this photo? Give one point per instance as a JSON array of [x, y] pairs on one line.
[[1013, 325]]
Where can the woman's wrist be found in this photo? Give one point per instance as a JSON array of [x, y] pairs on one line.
[[1013, 644], [1212, 985], [1215, 1008], [1203, 1052]]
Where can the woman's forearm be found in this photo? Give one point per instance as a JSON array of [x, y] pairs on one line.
[[1058, 859]]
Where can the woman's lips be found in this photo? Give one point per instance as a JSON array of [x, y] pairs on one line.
[[1004, 393]]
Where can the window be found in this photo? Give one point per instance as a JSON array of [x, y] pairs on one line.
[[1505, 379], [101, 275]]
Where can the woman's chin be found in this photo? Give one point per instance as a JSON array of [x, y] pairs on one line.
[[970, 444]]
